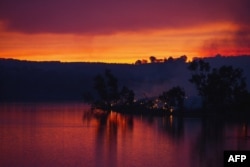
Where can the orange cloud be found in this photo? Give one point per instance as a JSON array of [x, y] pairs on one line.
[[123, 47]]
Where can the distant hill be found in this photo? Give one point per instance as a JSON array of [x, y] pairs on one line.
[[57, 81]]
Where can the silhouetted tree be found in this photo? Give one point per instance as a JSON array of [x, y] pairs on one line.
[[220, 88], [100, 87], [107, 88], [138, 62], [108, 92], [170, 59], [152, 59], [126, 96], [173, 98], [183, 58], [112, 86], [200, 71]]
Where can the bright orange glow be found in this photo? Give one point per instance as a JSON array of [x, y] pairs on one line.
[[123, 47]]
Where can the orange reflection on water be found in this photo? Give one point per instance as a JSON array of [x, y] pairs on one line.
[[44, 135], [72, 135]]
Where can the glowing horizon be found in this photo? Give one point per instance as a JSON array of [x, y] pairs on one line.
[[117, 32], [124, 47]]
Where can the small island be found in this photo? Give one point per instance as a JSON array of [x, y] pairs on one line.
[[222, 91]]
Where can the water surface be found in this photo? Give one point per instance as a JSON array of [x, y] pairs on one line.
[[68, 134]]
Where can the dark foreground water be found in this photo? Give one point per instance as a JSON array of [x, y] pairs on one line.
[[69, 135]]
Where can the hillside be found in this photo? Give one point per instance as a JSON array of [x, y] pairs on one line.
[[57, 81]]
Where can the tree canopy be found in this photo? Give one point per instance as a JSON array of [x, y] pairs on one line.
[[173, 98], [107, 89], [220, 88]]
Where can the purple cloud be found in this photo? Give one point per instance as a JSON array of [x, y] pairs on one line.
[[109, 16]]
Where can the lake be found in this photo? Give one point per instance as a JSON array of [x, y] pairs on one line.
[[69, 134]]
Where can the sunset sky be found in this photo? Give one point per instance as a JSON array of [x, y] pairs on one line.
[[122, 31]]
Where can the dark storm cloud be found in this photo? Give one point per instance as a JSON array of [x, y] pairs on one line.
[[109, 16]]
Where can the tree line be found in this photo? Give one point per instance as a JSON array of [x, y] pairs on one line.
[[222, 88]]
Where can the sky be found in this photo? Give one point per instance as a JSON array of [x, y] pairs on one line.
[[122, 31]]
